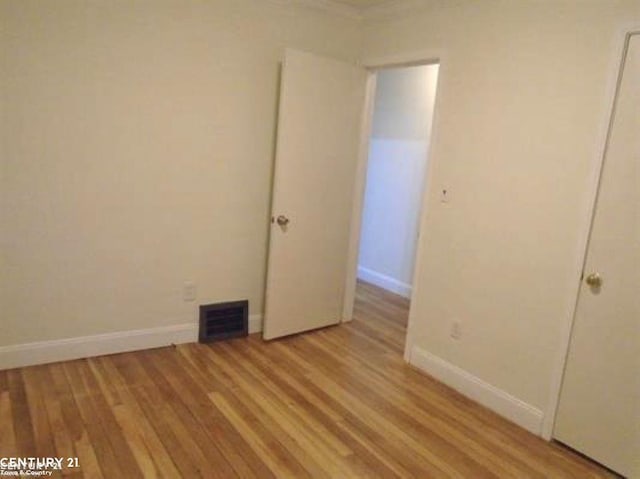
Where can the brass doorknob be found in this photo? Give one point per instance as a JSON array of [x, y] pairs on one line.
[[594, 280], [282, 220]]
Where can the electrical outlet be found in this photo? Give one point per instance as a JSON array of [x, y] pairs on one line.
[[456, 330], [189, 291]]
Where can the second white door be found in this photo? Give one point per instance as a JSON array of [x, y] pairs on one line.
[[599, 410]]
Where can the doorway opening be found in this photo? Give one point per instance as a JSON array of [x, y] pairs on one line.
[[396, 173]]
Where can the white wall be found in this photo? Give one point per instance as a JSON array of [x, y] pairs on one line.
[[522, 107], [396, 168], [137, 145]]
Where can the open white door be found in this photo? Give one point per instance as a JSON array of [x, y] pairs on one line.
[[321, 109], [599, 409]]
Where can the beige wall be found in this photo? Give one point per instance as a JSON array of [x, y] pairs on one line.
[[137, 141], [136, 146], [519, 122]]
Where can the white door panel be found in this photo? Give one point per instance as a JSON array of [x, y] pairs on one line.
[[599, 409], [321, 105]]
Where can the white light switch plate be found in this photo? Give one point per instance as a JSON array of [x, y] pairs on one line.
[[189, 291]]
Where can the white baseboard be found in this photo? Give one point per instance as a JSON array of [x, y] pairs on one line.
[[384, 281], [96, 345], [499, 401], [43, 352]]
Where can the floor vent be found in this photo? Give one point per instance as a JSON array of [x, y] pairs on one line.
[[223, 321]]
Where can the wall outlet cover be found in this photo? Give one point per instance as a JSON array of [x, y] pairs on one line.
[[189, 291]]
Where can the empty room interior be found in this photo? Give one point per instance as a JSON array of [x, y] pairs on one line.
[[320, 238]]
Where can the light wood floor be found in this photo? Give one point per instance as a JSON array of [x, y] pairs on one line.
[[338, 402]]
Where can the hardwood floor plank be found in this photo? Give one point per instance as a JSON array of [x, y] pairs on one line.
[[167, 385], [270, 451], [104, 434], [70, 434], [253, 405], [321, 406], [4, 381], [62, 442], [89, 465], [185, 454], [21, 414], [35, 389], [339, 402], [152, 457], [306, 438], [301, 416], [8, 447], [228, 441]]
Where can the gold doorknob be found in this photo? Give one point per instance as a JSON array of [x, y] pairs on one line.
[[594, 280], [282, 220]]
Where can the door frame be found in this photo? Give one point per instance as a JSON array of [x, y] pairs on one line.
[[614, 77], [373, 65]]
